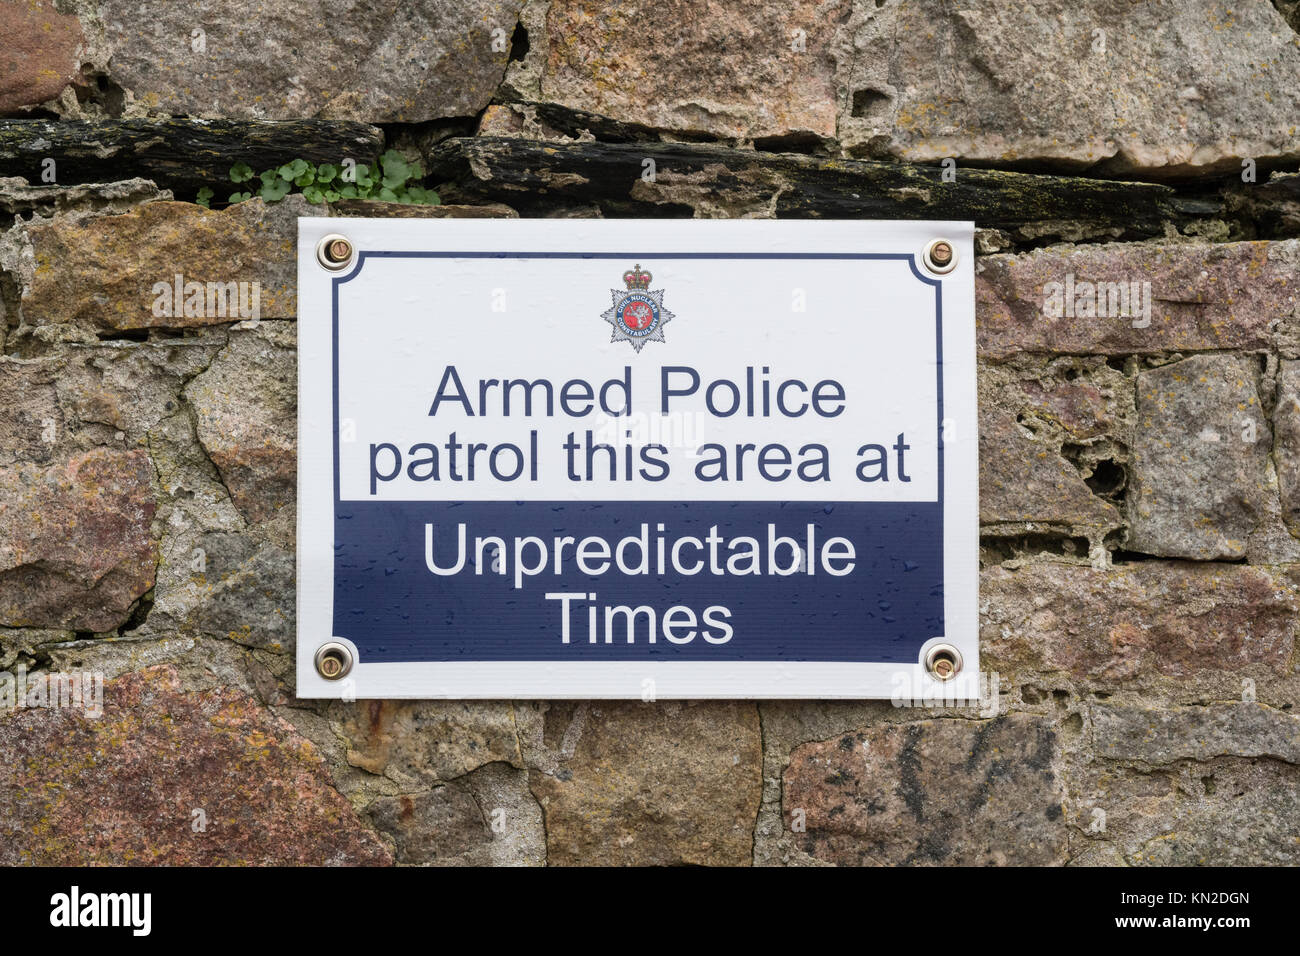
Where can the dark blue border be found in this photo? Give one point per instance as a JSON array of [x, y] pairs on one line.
[[646, 257]]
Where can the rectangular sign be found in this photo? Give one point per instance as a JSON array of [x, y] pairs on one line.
[[636, 459]]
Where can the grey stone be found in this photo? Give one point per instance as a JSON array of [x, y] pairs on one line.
[[246, 414], [485, 819], [1165, 88], [384, 62], [935, 792], [1201, 480], [1163, 735]]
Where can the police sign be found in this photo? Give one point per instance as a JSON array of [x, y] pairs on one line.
[[636, 459]]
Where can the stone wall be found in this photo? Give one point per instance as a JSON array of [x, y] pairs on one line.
[[1140, 475]]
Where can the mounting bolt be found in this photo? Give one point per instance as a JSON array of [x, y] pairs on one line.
[[943, 662], [334, 252], [940, 257], [333, 660]]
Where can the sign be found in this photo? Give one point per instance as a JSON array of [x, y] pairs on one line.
[[635, 459]]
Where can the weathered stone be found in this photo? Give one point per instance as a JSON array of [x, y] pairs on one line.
[[1223, 812], [650, 784], [183, 155], [487, 818], [1286, 442], [1203, 296], [243, 590], [246, 414], [1129, 87], [100, 273], [109, 394], [1027, 421], [387, 62], [18, 197], [947, 792], [170, 776], [1138, 621], [1249, 818], [731, 69], [76, 546], [429, 742], [40, 55], [1164, 735], [713, 182], [1200, 471]]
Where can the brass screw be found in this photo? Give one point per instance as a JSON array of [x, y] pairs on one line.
[[333, 660], [334, 252], [941, 253], [942, 662], [331, 666]]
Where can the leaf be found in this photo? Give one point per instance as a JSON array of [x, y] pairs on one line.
[[332, 195], [313, 195], [293, 170], [325, 173], [348, 192], [204, 198], [306, 178], [387, 195], [275, 191], [239, 197], [241, 172], [269, 176]]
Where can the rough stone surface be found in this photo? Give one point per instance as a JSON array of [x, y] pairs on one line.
[[1200, 459], [40, 56], [1160, 736], [650, 784], [246, 413], [937, 792], [1031, 423], [100, 273], [1286, 443], [388, 62], [76, 544], [429, 742], [1035, 82], [1204, 297], [124, 788], [487, 818], [731, 69], [1122, 625]]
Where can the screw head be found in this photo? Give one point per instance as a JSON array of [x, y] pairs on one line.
[[940, 257], [333, 660], [943, 662], [334, 252]]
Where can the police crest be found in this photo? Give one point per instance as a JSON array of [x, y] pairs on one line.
[[637, 315]]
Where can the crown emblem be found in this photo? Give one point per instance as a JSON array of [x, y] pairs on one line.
[[637, 315], [637, 278]]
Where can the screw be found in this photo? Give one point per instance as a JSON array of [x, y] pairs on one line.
[[334, 252], [940, 257], [333, 660], [340, 250], [943, 661]]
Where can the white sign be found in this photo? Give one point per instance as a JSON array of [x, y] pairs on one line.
[[633, 459]]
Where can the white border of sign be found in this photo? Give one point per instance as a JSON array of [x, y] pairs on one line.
[[660, 680]]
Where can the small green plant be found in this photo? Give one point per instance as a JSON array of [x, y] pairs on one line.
[[395, 180]]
